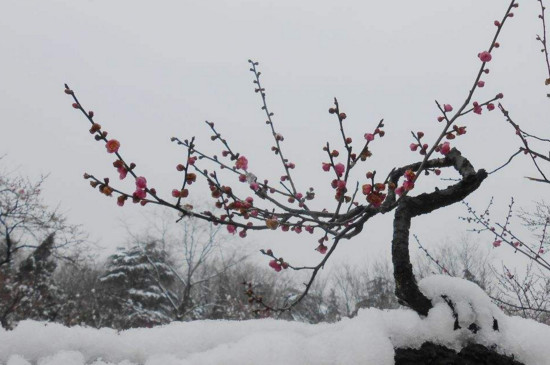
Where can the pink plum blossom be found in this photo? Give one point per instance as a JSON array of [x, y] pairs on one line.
[[447, 108], [242, 163], [339, 168], [477, 108], [322, 249], [369, 136], [140, 194], [141, 182], [485, 56], [367, 189], [112, 146], [122, 172], [445, 148], [408, 185], [275, 265]]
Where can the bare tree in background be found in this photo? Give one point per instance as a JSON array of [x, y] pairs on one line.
[[465, 257], [192, 245], [524, 291], [32, 237], [25, 221], [366, 286]]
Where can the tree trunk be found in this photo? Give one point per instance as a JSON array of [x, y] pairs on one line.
[[432, 354], [406, 288]]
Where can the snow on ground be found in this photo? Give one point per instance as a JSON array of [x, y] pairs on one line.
[[369, 338]]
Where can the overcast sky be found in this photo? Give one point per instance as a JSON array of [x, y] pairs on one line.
[[155, 69]]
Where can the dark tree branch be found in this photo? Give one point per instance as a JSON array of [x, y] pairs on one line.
[[406, 288]]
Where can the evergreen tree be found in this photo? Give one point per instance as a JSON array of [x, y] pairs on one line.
[[29, 291], [137, 288]]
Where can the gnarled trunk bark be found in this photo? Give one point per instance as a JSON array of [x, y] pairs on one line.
[[432, 354], [406, 287]]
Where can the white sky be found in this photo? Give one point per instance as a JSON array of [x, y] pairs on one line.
[[152, 70]]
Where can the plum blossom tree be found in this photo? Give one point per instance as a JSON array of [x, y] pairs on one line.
[[270, 207], [246, 202]]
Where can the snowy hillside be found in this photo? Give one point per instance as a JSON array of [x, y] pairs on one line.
[[369, 338]]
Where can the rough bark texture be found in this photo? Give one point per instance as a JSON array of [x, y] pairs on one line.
[[432, 354], [406, 288]]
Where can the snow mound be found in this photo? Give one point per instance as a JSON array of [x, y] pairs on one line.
[[369, 338], [471, 305]]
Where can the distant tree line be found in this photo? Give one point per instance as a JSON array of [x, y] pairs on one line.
[[190, 272]]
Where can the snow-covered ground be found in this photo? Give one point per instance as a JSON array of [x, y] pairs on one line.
[[369, 338]]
